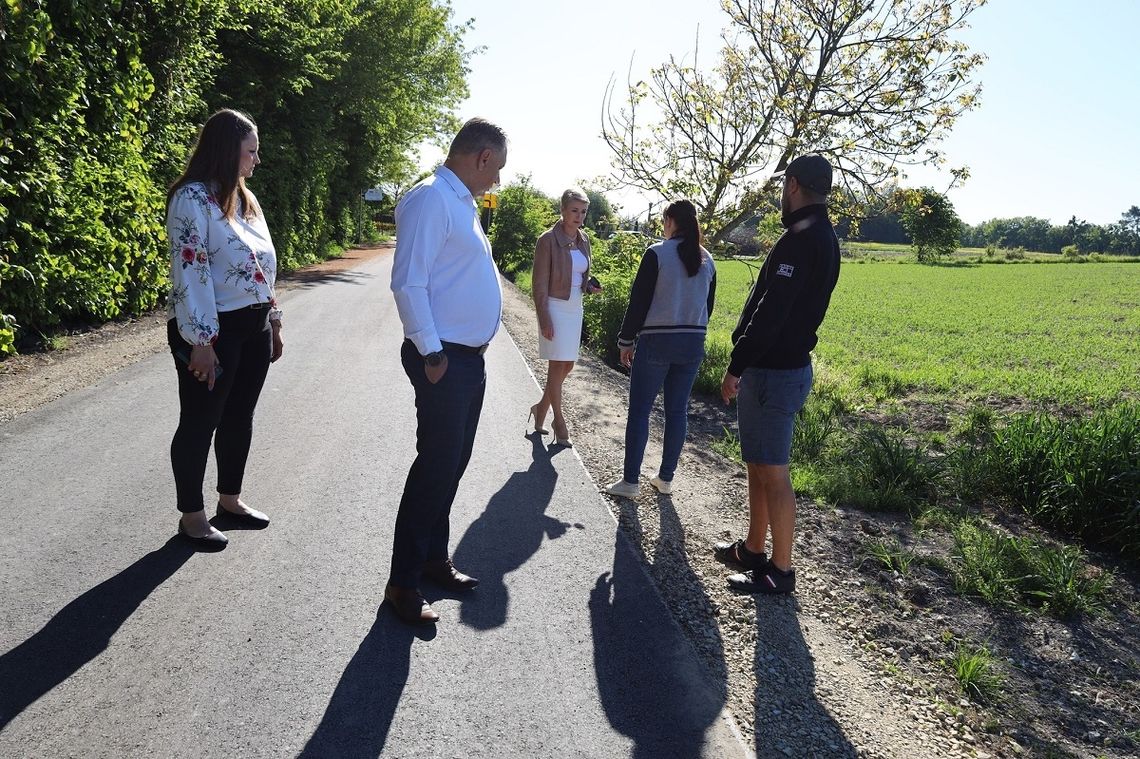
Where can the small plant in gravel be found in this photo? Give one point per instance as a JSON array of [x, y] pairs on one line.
[[889, 553], [1020, 572], [936, 518], [728, 446], [973, 668]]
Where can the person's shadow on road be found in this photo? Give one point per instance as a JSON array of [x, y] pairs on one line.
[[652, 687], [785, 698], [360, 712], [508, 532], [81, 631]]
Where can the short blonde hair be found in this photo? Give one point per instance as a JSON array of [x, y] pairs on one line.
[[574, 193]]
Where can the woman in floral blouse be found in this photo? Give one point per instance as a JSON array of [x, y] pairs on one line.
[[224, 326]]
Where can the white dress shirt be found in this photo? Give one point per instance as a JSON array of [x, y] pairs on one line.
[[216, 264], [445, 283]]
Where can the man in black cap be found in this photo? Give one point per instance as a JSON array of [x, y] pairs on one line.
[[770, 371]]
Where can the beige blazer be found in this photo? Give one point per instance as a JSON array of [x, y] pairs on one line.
[[550, 275]]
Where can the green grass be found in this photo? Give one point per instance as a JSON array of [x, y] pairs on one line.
[[973, 668], [728, 446], [1022, 573], [1063, 332], [890, 554]]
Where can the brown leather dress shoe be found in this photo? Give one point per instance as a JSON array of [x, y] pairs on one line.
[[444, 574], [410, 606]]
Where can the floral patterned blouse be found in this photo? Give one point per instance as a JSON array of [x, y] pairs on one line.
[[216, 264]]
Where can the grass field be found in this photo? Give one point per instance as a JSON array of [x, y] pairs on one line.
[[1063, 332]]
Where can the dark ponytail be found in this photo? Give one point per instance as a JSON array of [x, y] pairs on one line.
[[684, 216]]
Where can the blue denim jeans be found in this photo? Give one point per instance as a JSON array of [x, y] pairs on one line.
[[661, 360]]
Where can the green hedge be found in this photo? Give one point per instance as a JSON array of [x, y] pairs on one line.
[[101, 101]]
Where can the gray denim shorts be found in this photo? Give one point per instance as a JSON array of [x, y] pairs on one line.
[[766, 410]]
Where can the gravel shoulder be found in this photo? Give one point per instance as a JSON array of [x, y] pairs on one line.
[[849, 666]]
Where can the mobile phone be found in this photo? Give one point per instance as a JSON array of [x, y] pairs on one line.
[[183, 355]]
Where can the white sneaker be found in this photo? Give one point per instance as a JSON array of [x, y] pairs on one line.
[[623, 489], [664, 487]]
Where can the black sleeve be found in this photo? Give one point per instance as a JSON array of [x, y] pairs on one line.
[[640, 298], [712, 295], [787, 274]]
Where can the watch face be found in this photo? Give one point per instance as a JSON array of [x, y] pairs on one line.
[[433, 359]]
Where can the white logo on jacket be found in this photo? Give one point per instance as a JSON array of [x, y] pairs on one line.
[[784, 270]]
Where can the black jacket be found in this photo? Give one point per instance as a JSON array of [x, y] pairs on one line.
[[777, 328]]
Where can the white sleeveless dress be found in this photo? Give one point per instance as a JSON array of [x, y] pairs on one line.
[[566, 316]]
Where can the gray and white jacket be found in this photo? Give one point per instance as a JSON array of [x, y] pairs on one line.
[[664, 298]]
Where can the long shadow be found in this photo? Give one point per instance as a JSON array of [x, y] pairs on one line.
[[81, 631], [309, 279], [508, 532], [359, 715], [786, 704], [652, 687]]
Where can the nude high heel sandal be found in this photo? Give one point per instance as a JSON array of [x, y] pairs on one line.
[[562, 435], [534, 415]]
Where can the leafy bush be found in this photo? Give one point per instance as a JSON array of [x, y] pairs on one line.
[[931, 221], [523, 215], [101, 102], [83, 156], [614, 264]]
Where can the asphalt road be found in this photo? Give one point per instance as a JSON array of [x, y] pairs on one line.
[[119, 641]]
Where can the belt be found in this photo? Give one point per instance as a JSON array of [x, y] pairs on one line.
[[258, 306], [478, 351]]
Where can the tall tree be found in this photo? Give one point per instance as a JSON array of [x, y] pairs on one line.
[[873, 84], [1129, 231], [600, 216], [931, 221]]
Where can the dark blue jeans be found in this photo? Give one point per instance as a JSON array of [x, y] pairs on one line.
[[661, 360], [447, 416]]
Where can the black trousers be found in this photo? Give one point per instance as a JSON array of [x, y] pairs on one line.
[[244, 347], [447, 416]]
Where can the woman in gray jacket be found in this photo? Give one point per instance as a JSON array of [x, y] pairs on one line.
[[662, 340]]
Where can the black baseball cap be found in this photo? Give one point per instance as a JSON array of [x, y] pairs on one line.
[[811, 170]]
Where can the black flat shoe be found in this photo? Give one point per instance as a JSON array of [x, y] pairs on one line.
[[212, 543], [254, 520]]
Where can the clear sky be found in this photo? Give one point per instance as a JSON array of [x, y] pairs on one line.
[[1055, 134]]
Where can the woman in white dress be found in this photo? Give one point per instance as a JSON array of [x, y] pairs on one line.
[[561, 273]]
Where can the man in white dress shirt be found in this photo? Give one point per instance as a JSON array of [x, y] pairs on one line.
[[447, 291]]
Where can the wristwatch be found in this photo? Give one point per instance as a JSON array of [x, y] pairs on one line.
[[434, 359]]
